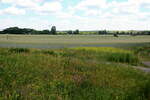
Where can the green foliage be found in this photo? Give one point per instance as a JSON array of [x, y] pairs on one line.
[[76, 32], [116, 35], [112, 54], [102, 32], [50, 52], [16, 30], [53, 30], [123, 57], [70, 74], [70, 32], [19, 50], [143, 52], [13, 30]]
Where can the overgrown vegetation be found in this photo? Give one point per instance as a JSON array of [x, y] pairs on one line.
[[143, 52], [71, 74], [19, 50], [112, 54]]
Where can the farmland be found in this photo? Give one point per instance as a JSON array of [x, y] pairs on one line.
[[90, 67], [60, 41]]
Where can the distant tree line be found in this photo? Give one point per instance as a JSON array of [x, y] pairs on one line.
[[116, 33], [53, 31], [16, 30]]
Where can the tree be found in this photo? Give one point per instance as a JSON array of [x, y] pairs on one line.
[[116, 34], [12, 30], [17, 30], [123, 33], [70, 32], [53, 30], [76, 32], [103, 32], [1, 32], [28, 31], [45, 32]]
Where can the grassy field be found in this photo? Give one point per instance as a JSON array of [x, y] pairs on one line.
[[80, 73], [66, 41], [85, 73], [72, 39]]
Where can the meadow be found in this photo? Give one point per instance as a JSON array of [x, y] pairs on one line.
[[60, 41], [77, 67], [82, 73]]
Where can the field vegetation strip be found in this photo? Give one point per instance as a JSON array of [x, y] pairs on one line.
[[84, 73]]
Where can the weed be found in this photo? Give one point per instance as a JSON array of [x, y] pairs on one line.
[[19, 50]]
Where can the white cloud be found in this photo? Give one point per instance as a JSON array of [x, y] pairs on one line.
[[64, 15], [13, 10], [111, 15], [96, 14], [92, 12], [5, 23], [39, 6], [22, 3], [91, 3], [128, 8], [49, 7]]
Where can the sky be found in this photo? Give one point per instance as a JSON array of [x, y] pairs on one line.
[[76, 14]]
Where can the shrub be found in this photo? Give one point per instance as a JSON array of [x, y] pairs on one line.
[[50, 52], [123, 58], [111, 54], [19, 50]]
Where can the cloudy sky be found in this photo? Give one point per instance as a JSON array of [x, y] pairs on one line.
[[76, 14]]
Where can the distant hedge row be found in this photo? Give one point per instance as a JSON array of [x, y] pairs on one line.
[[53, 31]]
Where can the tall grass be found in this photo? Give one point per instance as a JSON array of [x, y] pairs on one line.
[[19, 50], [112, 54], [72, 74], [143, 52]]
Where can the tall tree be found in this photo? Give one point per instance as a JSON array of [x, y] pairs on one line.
[[76, 32], [12, 30], [102, 32], [53, 30]]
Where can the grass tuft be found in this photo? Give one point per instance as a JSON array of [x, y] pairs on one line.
[[112, 54], [19, 50]]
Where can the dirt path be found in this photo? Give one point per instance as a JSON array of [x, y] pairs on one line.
[[64, 45], [147, 63], [147, 70]]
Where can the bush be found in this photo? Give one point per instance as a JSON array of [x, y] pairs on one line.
[[123, 58], [50, 52], [19, 50], [111, 54], [146, 90]]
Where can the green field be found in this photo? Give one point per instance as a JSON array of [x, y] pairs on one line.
[[85, 73], [60, 41], [71, 39]]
